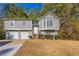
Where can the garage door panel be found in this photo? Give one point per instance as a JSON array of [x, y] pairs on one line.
[[12, 35], [24, 35], [16, 36]]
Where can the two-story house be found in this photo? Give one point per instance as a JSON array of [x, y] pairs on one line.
[[21, 28]]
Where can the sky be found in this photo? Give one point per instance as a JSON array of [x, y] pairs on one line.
[[30, 5], [26, 5]]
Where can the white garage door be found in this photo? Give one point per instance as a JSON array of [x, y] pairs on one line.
[[25, 35], [12, 35]]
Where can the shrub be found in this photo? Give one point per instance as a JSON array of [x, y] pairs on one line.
[[46, 36], [2, 35]]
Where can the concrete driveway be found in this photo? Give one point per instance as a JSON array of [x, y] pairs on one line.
[[10, 47]]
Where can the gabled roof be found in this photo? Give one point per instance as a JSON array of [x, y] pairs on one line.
[[47, 14]]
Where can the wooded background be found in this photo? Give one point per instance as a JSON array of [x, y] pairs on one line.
[[67, 12]]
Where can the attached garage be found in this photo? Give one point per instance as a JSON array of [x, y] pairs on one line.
[[18, 34], [25, 35], [12, 35]]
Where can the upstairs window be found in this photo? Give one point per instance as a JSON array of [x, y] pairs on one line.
[[49, 23], [12, 23], [23, 23]]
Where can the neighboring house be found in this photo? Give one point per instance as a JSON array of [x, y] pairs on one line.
[[21, 28]]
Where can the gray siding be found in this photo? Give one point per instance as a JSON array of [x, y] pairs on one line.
[[17, 25], [49, 22]]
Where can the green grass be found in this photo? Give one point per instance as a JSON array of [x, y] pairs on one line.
[[49, 48]]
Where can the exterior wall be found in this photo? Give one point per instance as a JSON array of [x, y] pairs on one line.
[[17, 25], [18, 34], [43, 23]]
